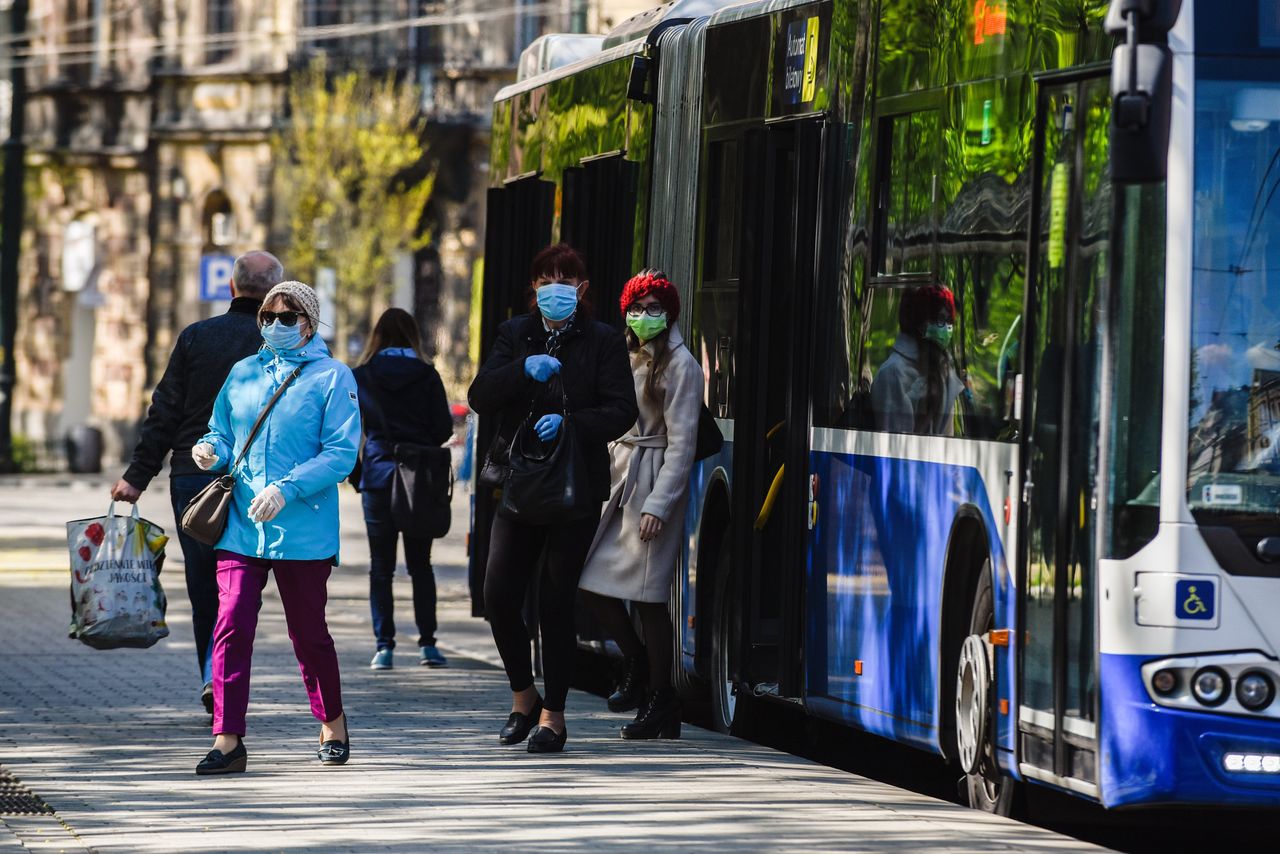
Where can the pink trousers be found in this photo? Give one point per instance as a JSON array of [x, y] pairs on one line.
[[302, 586]]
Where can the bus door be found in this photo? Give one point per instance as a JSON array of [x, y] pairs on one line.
[[518, 221], [781, 166], [598, 218], [1070, 239]]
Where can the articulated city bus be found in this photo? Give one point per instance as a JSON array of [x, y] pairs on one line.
[[1062, 567]]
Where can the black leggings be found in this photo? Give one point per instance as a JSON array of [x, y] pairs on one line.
[[655, 620], [515, 553]]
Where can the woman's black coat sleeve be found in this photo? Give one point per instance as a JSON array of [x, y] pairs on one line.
[[501, 379], [616, 411]]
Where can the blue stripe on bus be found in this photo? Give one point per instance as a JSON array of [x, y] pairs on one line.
[[876, 564], [1151, 754]]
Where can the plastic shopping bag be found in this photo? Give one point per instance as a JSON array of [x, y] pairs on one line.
[[116, 598]]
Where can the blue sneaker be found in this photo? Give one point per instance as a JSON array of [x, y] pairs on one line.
[[431, 657], [381, 660]]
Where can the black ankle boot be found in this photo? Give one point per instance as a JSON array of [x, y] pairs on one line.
[[631, 688], [660, 717]]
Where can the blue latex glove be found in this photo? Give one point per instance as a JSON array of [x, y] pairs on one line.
[[548, 426], [541, 368]]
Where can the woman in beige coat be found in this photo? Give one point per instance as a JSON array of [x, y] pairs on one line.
[[637, 544]]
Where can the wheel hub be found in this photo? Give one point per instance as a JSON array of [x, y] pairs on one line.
[[972, 684]]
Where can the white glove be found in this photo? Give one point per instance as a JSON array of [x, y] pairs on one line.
[[266, 504], [204, 456]]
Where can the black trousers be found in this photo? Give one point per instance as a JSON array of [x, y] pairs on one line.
[[201, 568], [383, 539], [516, 552]]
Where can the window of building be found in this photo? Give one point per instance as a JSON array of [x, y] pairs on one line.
[[218, 220], [320, 13], [219, 28]]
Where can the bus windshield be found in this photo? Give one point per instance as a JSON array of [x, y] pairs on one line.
[[1234, 453]]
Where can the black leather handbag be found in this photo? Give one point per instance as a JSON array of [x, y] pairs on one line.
[[422, 489], [497, 462], [546, 482], [710, 440]]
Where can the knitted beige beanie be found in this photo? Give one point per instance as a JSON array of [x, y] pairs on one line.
[[303, 295]]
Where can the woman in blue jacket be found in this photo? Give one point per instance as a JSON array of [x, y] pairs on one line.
[[283, 516], [401, 400]]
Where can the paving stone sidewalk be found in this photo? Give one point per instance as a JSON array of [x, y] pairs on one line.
[[110, 739]]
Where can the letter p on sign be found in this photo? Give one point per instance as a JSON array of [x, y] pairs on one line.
[[215, 278]]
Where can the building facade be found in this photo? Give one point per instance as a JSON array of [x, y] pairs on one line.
[[150, 162]]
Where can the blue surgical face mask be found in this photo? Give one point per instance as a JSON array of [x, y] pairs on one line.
[[557, 301], [281, 337]]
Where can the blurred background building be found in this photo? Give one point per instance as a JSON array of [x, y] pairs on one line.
[[149, 162]]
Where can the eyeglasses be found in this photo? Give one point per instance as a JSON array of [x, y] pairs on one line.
[[653, 309], [288, 318]]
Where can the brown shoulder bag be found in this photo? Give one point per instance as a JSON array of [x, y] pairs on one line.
[[205, 517]]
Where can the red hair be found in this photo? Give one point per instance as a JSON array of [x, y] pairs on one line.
[[656, 283]]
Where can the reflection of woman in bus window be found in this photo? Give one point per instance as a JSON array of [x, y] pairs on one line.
[[915, 389]]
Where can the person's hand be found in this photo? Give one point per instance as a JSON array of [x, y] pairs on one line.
[[548, 426], [204, 456], [266, 504], [125, 491], [541, 368], [650, 525]]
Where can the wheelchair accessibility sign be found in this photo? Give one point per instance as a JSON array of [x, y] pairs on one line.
[[1177, 600], [1194, 599]]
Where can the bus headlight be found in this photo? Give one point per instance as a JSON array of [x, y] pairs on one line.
[[1211, 686], [1255, 690], [1165, 681]]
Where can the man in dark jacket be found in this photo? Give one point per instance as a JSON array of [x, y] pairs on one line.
[[179, 415]]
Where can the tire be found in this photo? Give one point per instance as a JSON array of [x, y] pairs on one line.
[[987, 789], [725, 705]]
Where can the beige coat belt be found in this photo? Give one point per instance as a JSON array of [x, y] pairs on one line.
[[658, 440]]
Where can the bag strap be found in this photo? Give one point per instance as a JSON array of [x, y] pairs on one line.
[[262, 416]]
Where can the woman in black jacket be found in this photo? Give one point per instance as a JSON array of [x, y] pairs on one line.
[[401, 400], [537, 354]]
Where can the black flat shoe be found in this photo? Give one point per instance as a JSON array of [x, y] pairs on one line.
[[518, 725], [218, 762], [335, 752], [544, 739]]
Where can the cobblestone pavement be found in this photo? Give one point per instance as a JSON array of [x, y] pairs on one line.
[[109, 740]]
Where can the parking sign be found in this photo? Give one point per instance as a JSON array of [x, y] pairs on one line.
[[215, 277]]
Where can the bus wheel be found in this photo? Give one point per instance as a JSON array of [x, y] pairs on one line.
[[988, 790], [724, 699]]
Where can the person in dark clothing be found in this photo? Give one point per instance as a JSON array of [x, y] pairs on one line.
[[181, 406], [589, 361], [401, 400]]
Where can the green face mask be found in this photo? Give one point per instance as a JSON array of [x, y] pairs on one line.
[[646, 327], [939, 333]]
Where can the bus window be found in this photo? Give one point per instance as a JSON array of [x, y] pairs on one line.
[[1137, 379], [724, 197], [982, 245], [715, 322], [908, 367], [907, 192]]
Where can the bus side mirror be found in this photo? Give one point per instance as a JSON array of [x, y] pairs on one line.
[[1141, 89], [1140, 113], [638, 79]]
